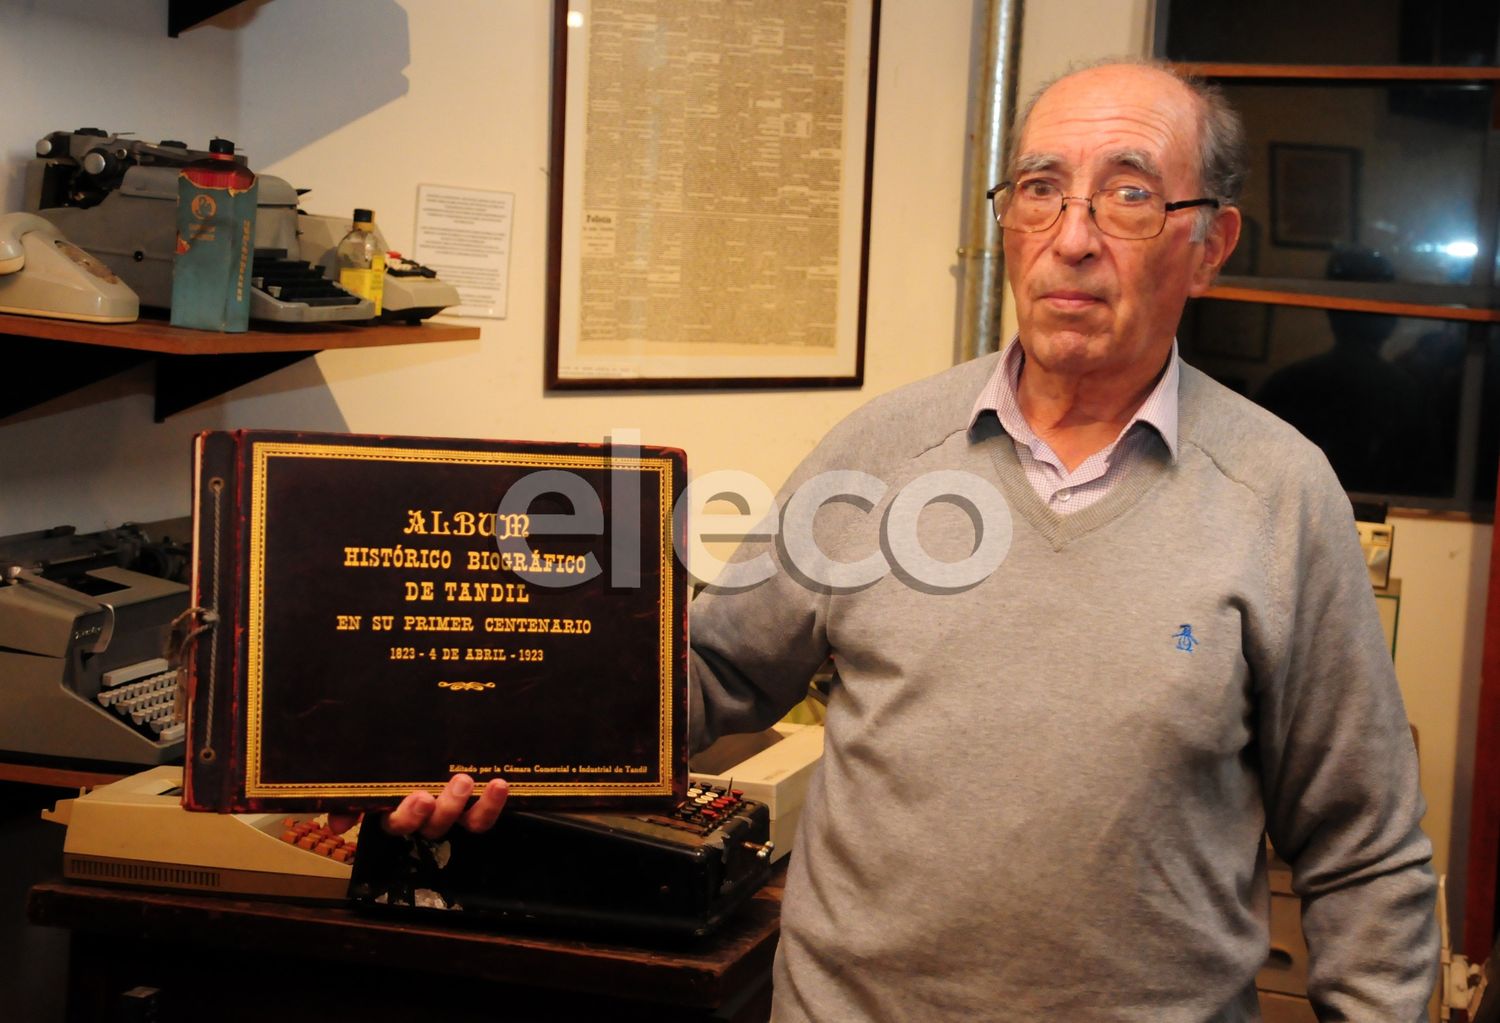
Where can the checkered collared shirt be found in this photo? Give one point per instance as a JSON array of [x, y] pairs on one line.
[[1062, 491]]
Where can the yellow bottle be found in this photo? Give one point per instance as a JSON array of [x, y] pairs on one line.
[[362, 261]]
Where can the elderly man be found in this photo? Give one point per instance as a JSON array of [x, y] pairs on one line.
[[1045, 789]]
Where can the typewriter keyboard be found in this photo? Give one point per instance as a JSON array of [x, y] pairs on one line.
[[295, 281], [145, 695], [318, 838], [705, 808]]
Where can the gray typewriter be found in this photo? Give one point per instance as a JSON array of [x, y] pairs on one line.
[[84, 623], [116, 197]]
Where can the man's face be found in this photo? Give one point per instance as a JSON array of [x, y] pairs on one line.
[[1088, 303]]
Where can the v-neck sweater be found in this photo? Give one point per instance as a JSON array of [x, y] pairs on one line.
[[1045, 789]]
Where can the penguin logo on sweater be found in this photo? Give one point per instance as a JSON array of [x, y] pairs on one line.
[[1185, 638]]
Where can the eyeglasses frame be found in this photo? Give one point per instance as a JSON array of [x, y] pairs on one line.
[[1167, 209]]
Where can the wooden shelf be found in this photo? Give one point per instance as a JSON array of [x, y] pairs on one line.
[[1342, 72], [148, 335], [192, 366], [1358, 305]]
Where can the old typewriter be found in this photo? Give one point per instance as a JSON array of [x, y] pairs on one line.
[[681, 871], [116, 197], [84, 622], [412, 291]]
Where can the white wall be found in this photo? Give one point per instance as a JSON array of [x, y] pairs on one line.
[[361, 100]]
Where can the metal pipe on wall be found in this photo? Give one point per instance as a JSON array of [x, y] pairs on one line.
[[980, 251]]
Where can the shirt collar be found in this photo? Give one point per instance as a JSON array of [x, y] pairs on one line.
[[1158, 411]]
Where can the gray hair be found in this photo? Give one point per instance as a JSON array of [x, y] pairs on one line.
[[1223, 158]]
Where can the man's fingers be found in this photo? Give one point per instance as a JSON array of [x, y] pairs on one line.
[[450, 803], [486, 809], [413, 812], [432, 816]]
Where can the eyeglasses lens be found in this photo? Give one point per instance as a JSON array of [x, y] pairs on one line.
[[1118, 212]]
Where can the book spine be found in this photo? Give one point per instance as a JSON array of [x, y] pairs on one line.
[[681, 640], [213, 755]]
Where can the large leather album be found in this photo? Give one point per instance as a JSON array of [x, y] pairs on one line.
[[377, 613]]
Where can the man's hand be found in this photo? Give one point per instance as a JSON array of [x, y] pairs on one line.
[[431, 816]]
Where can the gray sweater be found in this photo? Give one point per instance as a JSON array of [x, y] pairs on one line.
[[1044, 794]]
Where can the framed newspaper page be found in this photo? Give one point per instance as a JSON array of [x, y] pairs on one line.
[[710, 193]]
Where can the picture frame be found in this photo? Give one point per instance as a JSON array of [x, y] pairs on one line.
[[1314, 195], [709, 203]]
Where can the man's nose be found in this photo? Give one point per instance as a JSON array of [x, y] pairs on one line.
[[1077, 234]]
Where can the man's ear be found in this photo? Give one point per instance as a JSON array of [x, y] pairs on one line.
[[1223, 234]]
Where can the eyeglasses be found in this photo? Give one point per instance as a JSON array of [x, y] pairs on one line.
[[1127, 212]]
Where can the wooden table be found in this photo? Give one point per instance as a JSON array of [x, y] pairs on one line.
[[226, 958], [61, 777]]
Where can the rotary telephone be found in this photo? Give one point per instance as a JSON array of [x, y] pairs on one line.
[[44, 274]]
